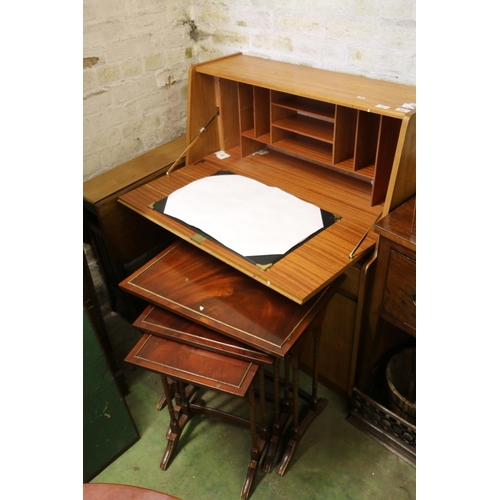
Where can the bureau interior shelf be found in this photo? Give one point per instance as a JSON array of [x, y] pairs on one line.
[[306, 126], [347, 135], [303, 147], [301, 125], [305, 105]]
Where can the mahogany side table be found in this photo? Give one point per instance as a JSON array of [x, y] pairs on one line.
[[192, 367], [196, 286]]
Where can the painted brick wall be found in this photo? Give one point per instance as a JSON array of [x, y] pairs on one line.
[[137, 54]]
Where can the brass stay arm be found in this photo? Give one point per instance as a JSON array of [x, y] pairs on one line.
[[197, 136]]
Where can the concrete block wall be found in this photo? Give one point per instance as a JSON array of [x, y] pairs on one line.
[[137, 54]]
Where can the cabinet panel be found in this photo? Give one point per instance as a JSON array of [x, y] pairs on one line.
[[245, 95], [366, 140], [336, 345], [345, 133], [399, 294], [249, 146], [335, 362], [388, 140], [254, 111], [262, 111], [229, 126]]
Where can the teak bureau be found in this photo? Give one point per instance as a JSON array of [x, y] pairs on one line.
[[344, 143]]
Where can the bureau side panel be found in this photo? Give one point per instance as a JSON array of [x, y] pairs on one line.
[[403, 181], [202, 106]]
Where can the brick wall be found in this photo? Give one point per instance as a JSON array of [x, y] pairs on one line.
[[137, 54]]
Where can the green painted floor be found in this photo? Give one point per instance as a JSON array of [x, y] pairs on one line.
[[334, 460]]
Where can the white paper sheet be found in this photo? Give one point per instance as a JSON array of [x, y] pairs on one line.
[[247, 216]]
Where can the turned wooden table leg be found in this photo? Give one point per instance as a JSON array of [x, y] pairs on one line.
[[316, 406], [264, 430], [174, 429], [314, 401], [254, 453], [167, 387], [286, 388], [179, 417], [280, 417], [293, 442]]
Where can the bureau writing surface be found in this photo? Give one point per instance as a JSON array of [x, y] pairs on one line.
[[357, 173], [259, 222], [314, 264]]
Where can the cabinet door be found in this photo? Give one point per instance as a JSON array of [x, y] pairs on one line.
[[108, 427]]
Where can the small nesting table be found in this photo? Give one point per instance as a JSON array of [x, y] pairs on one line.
[[189, 368], [201, 307]]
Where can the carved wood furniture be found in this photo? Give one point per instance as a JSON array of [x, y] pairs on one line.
[[390, 325]]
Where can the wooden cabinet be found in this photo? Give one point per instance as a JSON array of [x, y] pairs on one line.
[[118, 236], [393, 297], [389, 328], [343, 142]]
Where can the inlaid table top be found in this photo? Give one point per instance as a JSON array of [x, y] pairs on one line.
[[163, 323], [193, 284], [303, 272], [193, 365]]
